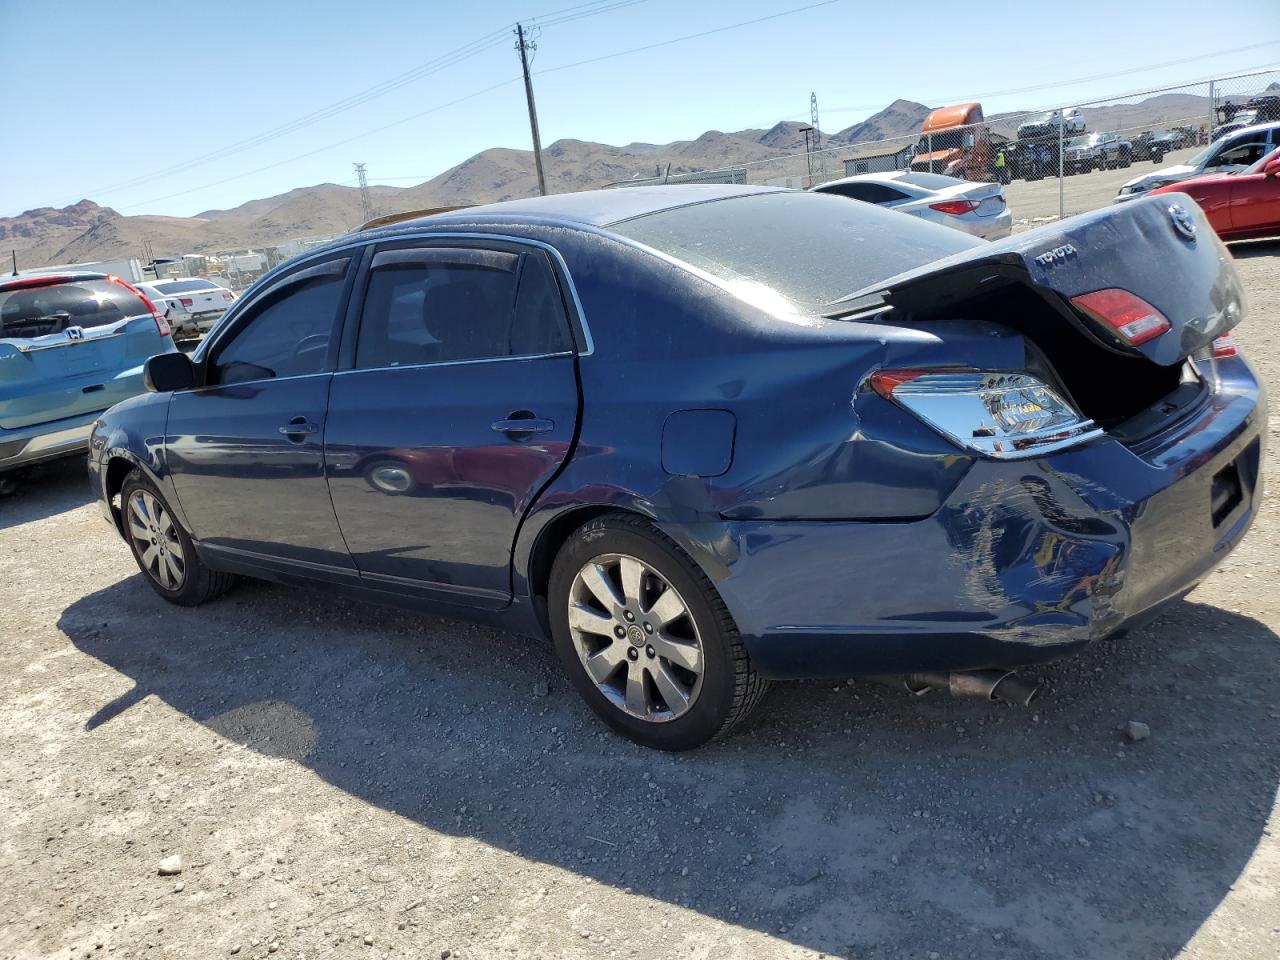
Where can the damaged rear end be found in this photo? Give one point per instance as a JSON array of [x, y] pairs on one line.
[[1090, 374]]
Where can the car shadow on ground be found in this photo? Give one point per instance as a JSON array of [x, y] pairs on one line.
[[848, 818], [48, 489], [1243, 249]]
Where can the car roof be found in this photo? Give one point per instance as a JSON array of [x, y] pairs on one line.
[[41, 279], [1255, 127], [598, 208], [888, 176]]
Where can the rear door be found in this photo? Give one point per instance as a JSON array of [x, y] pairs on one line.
[[246, 450], [71, 348], [459, 406], [1255, 202]]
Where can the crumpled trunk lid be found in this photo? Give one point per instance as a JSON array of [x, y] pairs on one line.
[[1161, 249]]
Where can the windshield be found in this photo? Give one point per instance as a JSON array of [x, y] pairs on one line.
[[942, 140], [1203, 156], [809, 248], [1266, 158], [185, 286], [1080, 141], [51, 308]]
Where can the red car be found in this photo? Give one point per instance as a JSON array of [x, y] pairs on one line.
[[1239, 206]]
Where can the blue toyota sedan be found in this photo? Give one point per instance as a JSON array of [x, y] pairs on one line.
[[707, 436]]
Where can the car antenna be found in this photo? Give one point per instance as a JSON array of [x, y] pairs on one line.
[[15, 261]]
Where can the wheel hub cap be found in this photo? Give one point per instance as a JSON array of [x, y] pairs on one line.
[[635, 637], [155, 541]]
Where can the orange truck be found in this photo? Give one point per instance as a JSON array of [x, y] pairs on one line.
[[956, 141]]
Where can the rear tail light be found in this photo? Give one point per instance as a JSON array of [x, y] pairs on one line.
[[1135, 320], [1006, 415], [228, 295], [954, 207], [162, 325], [1224, 346], [186, 301]]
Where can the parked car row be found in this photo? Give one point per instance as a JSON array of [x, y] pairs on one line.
[[704, 436], [1228, 155]]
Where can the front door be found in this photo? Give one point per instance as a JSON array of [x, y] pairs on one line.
[[459, 406], [247, 449]]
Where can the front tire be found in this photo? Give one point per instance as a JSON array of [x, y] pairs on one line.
[[163, 550], [645, 637]]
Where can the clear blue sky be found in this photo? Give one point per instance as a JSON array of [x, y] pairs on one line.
[[101, 93]]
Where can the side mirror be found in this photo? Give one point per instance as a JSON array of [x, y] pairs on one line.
[[169, 371]]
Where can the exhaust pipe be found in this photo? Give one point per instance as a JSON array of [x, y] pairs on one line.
[[1003, 685]]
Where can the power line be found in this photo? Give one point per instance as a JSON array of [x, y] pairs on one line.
[[690, 36], [444, 61], [415, 116]]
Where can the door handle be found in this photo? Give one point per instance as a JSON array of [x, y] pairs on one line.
[[299, 426], [522, 426]]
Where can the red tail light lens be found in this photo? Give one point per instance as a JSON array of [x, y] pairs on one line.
[[228, 295], [1224, 346], [162, 326], [1135, 320], [186, 301], [954, 207]]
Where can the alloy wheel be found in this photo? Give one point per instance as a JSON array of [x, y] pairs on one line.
[[635, 637], [155, 538]]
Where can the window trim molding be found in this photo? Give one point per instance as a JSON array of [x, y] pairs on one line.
[[361, 246]]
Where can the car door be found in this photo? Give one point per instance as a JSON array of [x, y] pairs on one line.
[[1255, 199], [246, 449], [459, 405]]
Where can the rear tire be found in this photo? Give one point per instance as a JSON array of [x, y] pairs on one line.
[[668, 668], [163, 550]]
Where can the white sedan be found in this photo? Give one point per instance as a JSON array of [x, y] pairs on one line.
[[975, 208], [191, 305]]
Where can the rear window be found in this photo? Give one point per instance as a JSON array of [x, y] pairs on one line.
[[809, 248], [185, 286], [38, 311]]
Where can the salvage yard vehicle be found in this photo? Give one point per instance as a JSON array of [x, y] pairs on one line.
[[192, 305], [708, 435], [1239, 206], [975, 208], [71, 345], [1097, 151], [1230, 155]]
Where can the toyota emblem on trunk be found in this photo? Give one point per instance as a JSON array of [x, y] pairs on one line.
[[1182, 221]]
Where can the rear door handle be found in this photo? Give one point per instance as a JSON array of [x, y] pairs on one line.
[[523, 426]]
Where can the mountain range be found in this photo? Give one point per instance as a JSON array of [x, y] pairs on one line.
[[86, 231]]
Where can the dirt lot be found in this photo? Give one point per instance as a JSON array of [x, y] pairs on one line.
[[342, 780]]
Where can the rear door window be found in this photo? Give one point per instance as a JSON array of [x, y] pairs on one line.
[[444, 305], [868, 192], [285, 332], [51, 308]]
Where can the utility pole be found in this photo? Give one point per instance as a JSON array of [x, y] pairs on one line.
[[365, 204], [808, 154], [524, 46]]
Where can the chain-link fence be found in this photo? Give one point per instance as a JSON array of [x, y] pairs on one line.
[[1060, 161]]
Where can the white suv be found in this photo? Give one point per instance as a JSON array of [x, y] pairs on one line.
[[1228, 155]]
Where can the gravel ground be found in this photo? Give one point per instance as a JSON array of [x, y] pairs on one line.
[[343, 780]]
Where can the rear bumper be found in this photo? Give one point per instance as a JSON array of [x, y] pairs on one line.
[[45, 441], [1027, 561]]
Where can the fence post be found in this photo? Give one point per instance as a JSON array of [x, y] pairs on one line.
[[1213, 110], [1062, 122], [930, 170]]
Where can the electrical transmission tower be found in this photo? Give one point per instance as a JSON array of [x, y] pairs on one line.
[[365, 203], [817, 134]]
